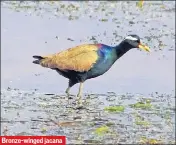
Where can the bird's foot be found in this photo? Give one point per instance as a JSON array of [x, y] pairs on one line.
[[79, 100], [68, 95], [79, 105]]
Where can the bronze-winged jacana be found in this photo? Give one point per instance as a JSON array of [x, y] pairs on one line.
[[87, 61]]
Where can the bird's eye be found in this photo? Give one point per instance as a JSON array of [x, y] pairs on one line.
[[138, 41]]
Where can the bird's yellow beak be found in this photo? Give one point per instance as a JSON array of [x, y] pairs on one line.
[[144, 47]]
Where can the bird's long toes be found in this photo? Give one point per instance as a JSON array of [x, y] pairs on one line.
[[79, 100], [78, 97], [68, 95], [79, 104]]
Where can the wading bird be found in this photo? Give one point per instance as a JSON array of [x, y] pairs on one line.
[[87, 61]]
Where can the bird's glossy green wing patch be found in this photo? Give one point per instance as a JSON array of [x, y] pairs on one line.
[[80, 58]]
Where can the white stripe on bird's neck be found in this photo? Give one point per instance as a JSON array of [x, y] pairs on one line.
[[131, 38]]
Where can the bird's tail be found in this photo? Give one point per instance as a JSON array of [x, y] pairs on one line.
[[39, 58]]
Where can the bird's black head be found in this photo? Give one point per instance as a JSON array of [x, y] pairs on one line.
[[133, 41]]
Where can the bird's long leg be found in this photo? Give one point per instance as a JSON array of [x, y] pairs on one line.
[[70, 84], [79, 98], [67, 91]]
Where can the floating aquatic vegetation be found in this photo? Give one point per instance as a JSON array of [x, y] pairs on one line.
[[143, 123], [140, 3], [43, 130], [145, 140], [142, 105], [104, 20], [139, 120], [115, 108], [102, 130], [110, 124]]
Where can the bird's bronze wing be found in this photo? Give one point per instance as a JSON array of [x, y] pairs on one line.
[[80, 58]]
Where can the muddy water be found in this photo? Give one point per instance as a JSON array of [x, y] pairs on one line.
[[45, 28]]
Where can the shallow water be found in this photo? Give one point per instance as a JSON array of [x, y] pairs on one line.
[[136, 71], [42, 29], [32, 113]]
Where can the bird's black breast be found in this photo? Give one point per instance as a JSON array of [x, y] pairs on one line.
[[73, 75]]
